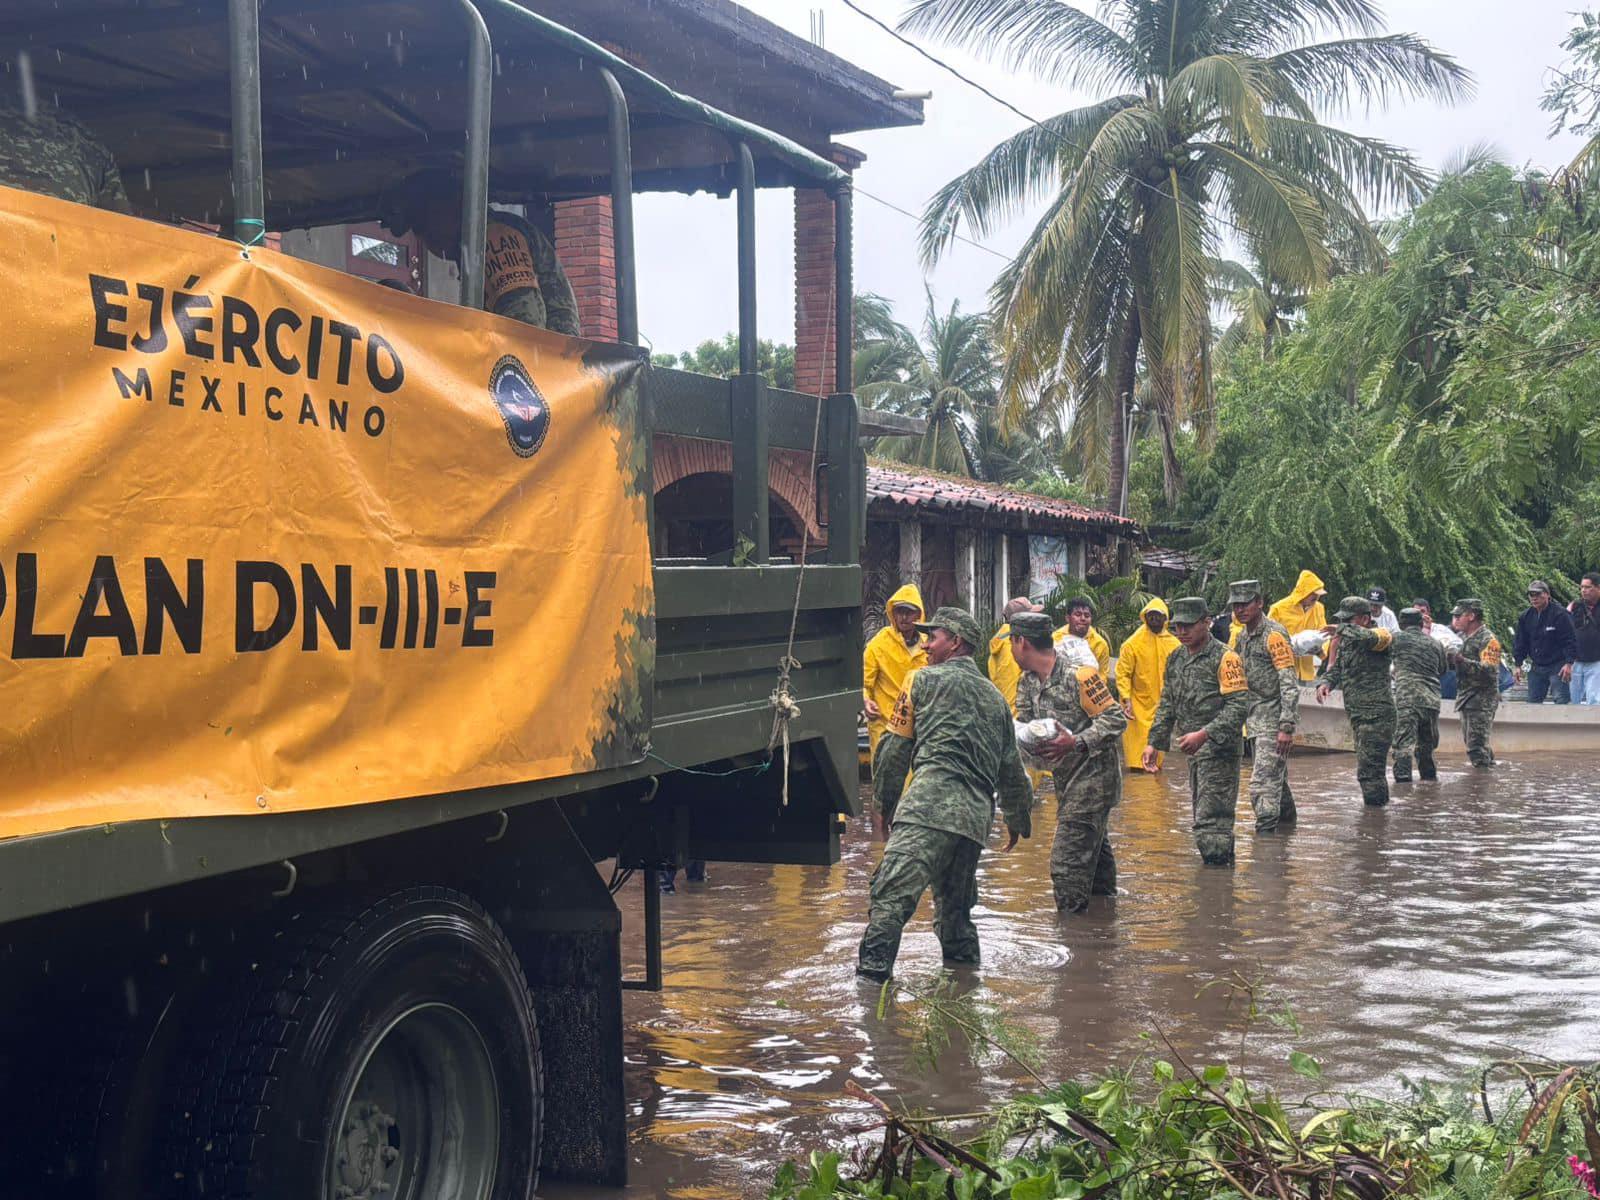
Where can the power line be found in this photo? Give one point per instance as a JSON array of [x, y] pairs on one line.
[[905, 212], [1031, 120]]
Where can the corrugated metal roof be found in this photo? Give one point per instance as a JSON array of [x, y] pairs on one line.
[[910, 488]]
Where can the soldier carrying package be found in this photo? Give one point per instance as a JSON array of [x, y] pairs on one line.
[[1084, 758], [952, 731], [1419, 665], [1359, 658], [1205, 701]]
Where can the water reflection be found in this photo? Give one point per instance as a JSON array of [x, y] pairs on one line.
[[1454, 925]]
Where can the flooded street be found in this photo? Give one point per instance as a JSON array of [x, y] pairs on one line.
[[1458, 925]]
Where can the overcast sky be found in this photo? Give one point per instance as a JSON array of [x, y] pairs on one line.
[[686, 244]]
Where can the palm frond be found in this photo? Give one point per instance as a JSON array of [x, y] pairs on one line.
[[1284, 219], [1374, 69], [1017, 172], [1056, 42], [1225, 89]]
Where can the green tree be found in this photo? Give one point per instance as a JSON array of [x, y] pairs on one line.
[[720, 358], [1213, 118], [948, 381], [883, 349]]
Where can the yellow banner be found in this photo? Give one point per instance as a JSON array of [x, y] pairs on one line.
[[276, 538]]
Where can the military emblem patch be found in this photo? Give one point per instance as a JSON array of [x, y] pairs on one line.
[[1094, 697], [1281, 651], [1230, 674], [522, 406], [1491, 652], [903, 719]]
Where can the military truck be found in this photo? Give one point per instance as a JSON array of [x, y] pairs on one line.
[[337, 656]]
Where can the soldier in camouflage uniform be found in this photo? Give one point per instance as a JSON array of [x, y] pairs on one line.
[[52, 154], [1419, 664], [952, 731], [1263, 645], [1205, 701], [521, 278], [1359, 658], [1085, 760], [1477, 666]]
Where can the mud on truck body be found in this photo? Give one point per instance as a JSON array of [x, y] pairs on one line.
[[337, 655]]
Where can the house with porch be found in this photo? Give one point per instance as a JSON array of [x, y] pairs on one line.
[[963, 541]]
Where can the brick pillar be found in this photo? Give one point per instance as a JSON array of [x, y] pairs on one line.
[[588, 254], [813, 291]]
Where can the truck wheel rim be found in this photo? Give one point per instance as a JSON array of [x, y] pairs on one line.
[[422, 1120]]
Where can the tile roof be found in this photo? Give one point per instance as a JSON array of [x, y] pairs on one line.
[[907, 487], [1182, 562]]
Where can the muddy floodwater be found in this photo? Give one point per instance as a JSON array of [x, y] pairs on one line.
[[1460, 924]]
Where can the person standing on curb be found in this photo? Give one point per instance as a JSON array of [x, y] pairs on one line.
[[1419, 665], [951, 730], [1084, 759], [1359, 654], [1263, 646], [1545, 638], [1586, 634], [1204, 701], [1477, 666]]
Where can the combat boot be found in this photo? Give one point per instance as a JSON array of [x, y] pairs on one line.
[[1375, 797], [1402, 770], [1426, 770]]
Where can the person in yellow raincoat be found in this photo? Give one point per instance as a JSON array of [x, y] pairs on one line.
[[1003, 670], [1141, 672], [894, 652], [1299, 611], [1080, 615]]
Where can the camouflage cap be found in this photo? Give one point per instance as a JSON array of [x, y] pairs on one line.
[[1187, 610], [1353, 606], [1032, 624], [1242, 591], [1410, 618], [1468, 605], [954, 620]]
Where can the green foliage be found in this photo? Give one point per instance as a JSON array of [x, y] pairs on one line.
[[947, 381], [1209, 116], [1430, 428], [720, 358], [1176, 1132]]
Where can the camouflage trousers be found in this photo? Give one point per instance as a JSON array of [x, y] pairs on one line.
[[1476, 726], [915, 859], [1214, 794], [1270, 797], [1416, 733], [1081, 861], [1374, 731]]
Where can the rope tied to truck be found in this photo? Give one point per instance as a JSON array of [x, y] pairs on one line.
[[785, 708]]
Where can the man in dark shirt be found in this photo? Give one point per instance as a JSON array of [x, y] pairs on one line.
[[1586, 631], [1546, 637]]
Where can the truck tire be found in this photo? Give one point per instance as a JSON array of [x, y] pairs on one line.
[[379, 1049]]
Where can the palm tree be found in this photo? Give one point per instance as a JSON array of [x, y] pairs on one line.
[[1213, 123], [950, 376], [1262, 306], [883, 348]]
